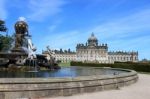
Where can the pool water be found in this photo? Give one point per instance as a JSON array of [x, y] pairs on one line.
[[63, 72]]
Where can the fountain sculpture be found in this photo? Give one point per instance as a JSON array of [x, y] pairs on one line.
[[23, 53]]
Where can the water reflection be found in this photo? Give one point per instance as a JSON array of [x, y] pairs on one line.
[[63, 72]]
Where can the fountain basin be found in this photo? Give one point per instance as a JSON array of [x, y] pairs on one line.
[[12, 88]]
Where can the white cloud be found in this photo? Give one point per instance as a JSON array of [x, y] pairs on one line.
[[41, 9], [62, 40], [124, 27], [3, 12], [127, 26], [125, 33]]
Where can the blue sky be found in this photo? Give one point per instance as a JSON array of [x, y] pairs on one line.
[[122, 24]]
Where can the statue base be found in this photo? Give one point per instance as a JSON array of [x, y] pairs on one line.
[[19, 51]]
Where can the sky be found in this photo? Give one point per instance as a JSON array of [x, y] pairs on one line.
[[123, 24]]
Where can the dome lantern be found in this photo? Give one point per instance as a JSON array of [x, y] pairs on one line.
[[92, 37], [92, 40]]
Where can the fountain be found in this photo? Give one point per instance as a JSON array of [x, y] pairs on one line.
[[33, 82], [23, 53]]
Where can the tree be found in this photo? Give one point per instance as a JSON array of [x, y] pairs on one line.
[[2, 26], [5, 43]]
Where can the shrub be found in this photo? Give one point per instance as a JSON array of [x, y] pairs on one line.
[[141, 67]]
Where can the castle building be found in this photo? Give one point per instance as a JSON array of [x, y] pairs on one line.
[[92, 51]]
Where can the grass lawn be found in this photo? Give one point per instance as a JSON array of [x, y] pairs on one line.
[[64, 64]]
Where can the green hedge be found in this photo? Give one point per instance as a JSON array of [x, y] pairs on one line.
[[141, 67]]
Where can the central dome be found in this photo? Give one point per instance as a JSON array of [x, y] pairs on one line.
[[92, 37]]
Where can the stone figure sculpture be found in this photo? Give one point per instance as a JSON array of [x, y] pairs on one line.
[[21, 29]]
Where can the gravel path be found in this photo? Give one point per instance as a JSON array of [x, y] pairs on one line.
[[139, 90]]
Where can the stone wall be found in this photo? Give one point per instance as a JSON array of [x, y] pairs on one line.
[[12, 88]]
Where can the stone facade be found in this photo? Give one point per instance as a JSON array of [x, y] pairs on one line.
[[64, 56], [94, 52], [91, 51], [121, 56]]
